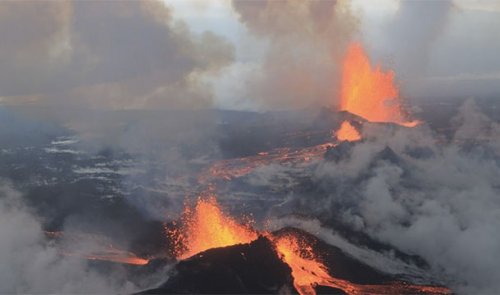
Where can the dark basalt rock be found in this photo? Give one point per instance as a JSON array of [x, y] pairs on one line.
[[248, 268], [328, 290], [340, 151]]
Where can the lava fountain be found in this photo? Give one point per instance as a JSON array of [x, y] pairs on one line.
[[370, 92], [206, 226]]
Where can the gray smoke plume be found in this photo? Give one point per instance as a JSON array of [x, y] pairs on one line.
[[32, 264], [408, 188], [305, 41], [114, 55]]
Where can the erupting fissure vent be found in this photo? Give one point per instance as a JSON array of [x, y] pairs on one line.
[[205, 226], [370, 92], [347, 132]]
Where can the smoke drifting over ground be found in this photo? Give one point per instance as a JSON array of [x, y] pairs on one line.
[[437, 200], [32, 264], [75, 62]]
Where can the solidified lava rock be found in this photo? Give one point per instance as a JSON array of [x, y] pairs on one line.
[[247, 268], [340, 151]]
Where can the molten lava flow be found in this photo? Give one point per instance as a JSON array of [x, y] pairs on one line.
[[206, 226], [370, 92], [347, 132], [115, 255], [102, 249], [307, 272], [238, 167]]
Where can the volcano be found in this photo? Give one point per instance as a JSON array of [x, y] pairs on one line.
[[219, 254], [256, 268]]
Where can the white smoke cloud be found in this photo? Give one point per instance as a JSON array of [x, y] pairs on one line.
[[443, 207], [473, 124], [31, 264]]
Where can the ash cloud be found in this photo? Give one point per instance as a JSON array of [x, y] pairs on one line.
[[304, 43], [114, 55]]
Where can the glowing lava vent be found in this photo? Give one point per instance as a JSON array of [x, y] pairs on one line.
[[368, 91], [205, 226], [347, 132]]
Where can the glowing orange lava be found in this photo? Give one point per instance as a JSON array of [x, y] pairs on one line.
[[347, 132], [117, 256], [102, 249], [238, 167], [307, 272], [206, 226], [370, 92]]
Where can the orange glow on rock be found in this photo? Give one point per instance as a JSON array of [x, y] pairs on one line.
[[347, 132], [370, 92], [206, 226], [307, 271]]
